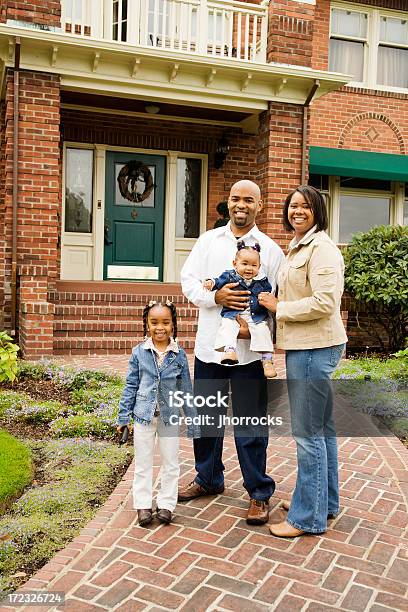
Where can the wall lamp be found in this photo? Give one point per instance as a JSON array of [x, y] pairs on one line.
[[221, 152]]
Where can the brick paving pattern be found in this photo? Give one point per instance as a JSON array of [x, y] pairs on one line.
[[210, 559]]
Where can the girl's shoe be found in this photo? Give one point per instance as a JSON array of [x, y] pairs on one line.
[[145, 516], [269, 369], [164, 516]]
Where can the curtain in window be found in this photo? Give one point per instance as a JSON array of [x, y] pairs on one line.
[[392, 66], [348, 57]]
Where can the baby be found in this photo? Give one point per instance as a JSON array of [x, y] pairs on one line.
[[246, 267]]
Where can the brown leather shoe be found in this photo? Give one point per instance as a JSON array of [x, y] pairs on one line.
[[164, 515], [258, 512], [286, 505], [145, 516], [285, 530], [194, 490]]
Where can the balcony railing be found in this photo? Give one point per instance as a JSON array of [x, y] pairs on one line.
[[222, 28]]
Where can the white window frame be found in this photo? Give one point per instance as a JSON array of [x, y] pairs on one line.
[[372, 42], [396, 194]]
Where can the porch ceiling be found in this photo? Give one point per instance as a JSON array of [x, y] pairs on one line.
[[144, 73], [134, 105]]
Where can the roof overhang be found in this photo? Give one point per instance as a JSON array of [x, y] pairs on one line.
[[121, 69]]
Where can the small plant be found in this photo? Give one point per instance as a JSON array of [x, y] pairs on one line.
[[8, 358], [377, 277]]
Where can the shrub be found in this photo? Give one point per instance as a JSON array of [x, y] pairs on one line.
[[377, 277], [16, 468], [8, 358]]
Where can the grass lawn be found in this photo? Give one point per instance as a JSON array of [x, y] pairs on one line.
[[16, 468]]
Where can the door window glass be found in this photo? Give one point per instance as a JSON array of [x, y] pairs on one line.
[[134, 184], [188, 197], [78, 190]]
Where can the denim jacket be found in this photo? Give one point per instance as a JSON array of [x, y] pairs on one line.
[[258, 313], [149, 385]]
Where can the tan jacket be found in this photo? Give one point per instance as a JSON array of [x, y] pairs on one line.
[[311, 282]]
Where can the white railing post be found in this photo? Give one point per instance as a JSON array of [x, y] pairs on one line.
[[134, 21], [108, 20], [264, 33], [202, 27]]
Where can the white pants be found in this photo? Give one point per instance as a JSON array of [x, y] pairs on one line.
[[261, 340], [144, 443]]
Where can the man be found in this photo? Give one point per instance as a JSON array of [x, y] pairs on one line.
[[213, 252]]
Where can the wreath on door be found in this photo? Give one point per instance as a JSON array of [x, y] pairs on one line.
[[128, 178]]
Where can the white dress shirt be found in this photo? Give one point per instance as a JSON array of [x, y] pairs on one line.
[[213, 253]]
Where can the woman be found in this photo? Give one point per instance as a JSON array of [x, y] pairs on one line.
[[310, 329]]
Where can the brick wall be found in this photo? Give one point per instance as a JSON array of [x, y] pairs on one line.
[[279, 163], [290, 37], [47, 12], [39, 201]]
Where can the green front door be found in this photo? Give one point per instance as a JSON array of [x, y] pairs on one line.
[[134, 216]]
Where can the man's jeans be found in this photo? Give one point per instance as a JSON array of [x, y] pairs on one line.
[[249, 398], [311, 404]]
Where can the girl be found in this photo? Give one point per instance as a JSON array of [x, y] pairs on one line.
[[157, 368], [245, 273]]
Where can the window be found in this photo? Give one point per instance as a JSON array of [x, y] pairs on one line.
[[358, 204], [78, 190], [119, 27], [370, 44], [188, 196], [359, 213], [347, 42]]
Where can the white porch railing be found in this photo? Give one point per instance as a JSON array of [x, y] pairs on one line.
[[222, 28]]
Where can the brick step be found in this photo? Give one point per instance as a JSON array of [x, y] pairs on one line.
[[103, 333], [124, 326], [111, 311], [102, 345], [115, 298]]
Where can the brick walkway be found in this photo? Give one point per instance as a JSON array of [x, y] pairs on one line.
[[210, 559]]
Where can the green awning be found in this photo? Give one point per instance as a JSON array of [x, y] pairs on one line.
[[360, 164]]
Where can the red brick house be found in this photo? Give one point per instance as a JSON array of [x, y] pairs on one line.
[[124, 124]]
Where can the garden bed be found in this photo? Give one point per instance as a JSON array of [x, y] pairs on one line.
[[66, 419], [379, 386]]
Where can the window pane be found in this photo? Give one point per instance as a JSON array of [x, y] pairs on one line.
[[405, 221], [78, 190], [392, 66], [361, 213], [363, 183], [320, 181], [188, 197], [394, 30], [349, 23], [348, 57]]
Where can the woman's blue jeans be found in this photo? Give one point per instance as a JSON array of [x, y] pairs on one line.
[[311, 406]]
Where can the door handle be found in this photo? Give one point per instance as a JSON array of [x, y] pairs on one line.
[[106, 235]]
